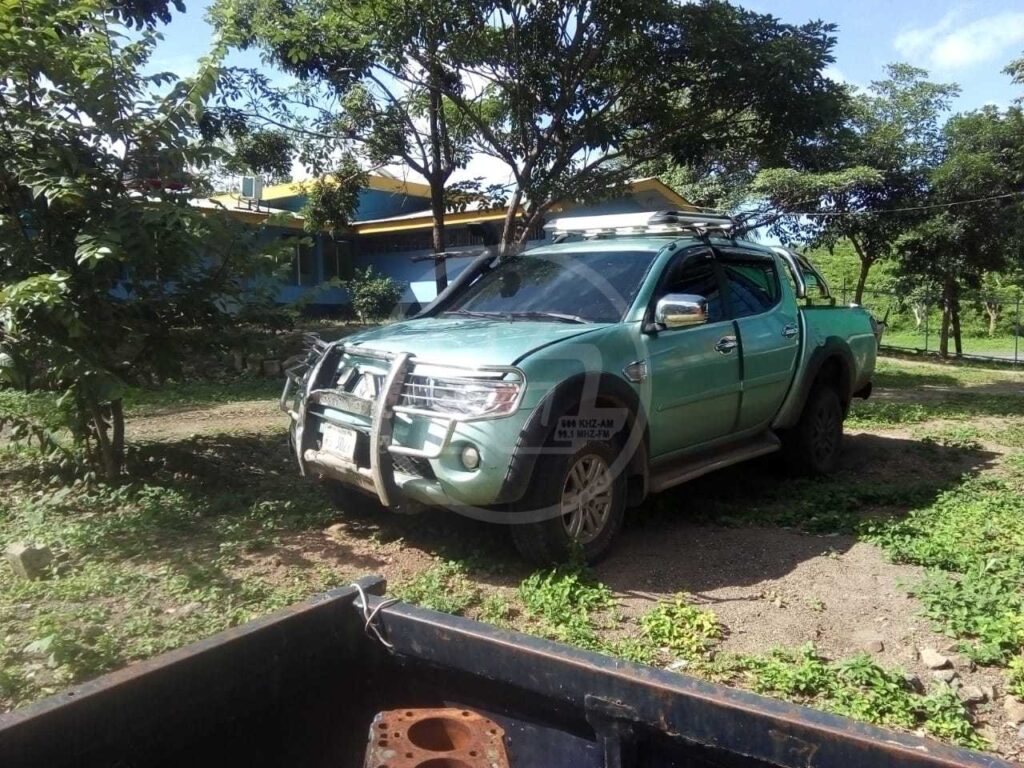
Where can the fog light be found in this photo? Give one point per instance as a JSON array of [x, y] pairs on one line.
[[470, 457]]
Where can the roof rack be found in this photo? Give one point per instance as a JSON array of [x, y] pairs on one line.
[[646, 223]]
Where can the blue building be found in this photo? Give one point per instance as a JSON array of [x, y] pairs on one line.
[[391, 231]]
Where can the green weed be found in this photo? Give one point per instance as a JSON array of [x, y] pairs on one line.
[[972, 537], [565, 604], [858, 688], [681, 629], [443, 587]]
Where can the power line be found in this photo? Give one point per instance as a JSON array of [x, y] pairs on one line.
[[909, 208]]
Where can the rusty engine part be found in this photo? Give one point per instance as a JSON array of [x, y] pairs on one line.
[[435, 738]]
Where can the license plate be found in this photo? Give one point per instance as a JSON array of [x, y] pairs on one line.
[[339, 441]]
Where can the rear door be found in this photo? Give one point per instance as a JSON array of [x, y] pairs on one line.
[[695, 371], [767, 325]]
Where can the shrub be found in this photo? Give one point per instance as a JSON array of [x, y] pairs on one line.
[[373, 296]]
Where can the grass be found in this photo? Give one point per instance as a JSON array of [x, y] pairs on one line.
[[443, 587], [972, 540], [192, 546], [972, 345], [150, 566], [859, 688]]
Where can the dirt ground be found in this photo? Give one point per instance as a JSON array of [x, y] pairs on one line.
[[769, 586]]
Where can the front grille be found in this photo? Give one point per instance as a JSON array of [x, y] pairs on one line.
[[412, 465]]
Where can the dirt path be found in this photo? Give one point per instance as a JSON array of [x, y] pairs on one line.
[[228, 418]]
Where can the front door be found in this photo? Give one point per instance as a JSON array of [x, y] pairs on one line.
[[695, 371]]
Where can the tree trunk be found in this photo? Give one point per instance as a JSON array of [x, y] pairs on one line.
[[993, 310], [862, 279], [117, 433], [508, 231], [950, 318], [107, 424], [919, 311], [437, 179], [955, 320]]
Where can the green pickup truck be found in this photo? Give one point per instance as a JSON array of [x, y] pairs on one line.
[[553, 389]]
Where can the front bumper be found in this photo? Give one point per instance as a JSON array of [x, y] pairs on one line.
[[397, 437]]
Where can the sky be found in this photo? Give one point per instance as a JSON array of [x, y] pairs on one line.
[[963, 42]]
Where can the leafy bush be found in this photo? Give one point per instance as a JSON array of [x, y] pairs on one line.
[[373, 296]]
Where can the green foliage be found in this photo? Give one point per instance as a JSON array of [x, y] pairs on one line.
[[443, 587], [496, 609], [373, 296], [331, 200], [681, 629], [871, 171], [150, 566], [973, 539], [102, 258], [566, 602], [1016, 681], [263, 152], [858, 688]]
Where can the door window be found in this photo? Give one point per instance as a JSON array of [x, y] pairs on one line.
[[695, 275], [753, 285]]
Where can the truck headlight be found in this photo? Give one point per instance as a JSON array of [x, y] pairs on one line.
[[461, 396]]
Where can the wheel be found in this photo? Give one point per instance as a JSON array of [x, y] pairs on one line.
[[352, 502], [591, 498], [814, 445]]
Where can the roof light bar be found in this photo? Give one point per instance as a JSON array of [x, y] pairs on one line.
[[646, 223]]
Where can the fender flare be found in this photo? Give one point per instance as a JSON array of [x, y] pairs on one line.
[[563, 399], [834, 348]]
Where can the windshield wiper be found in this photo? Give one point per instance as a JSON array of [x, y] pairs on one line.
[[557, 316], [473, 313]]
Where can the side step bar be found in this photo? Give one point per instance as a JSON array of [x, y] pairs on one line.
[[690, 468]]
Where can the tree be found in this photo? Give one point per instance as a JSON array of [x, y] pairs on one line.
[[868, 180], [577, 95], [371, 79], [264, 152], [104, 265], [975, 221]]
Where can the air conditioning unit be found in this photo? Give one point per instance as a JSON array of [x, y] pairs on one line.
[[252, 188]]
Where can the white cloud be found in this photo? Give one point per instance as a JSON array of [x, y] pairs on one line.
[[956, 43], [836, 74]]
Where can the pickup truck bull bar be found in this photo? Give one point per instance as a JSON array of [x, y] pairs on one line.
[[315, 379]]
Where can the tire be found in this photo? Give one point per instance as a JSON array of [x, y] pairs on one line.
[[555, 481], [814, 445], [352, 502]]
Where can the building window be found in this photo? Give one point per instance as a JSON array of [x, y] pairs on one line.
[[337, 259], [303, 271]]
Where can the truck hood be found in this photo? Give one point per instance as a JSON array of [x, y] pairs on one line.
[[468, 340]]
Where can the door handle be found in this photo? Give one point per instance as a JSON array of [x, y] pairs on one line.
[[726, 344], [790, 330]]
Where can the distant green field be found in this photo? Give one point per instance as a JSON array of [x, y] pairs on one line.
[[996, 346]]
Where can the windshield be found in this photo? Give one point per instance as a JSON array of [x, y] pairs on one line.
[[570, 286]]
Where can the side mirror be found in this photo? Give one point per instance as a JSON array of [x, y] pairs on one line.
[[681, 310]]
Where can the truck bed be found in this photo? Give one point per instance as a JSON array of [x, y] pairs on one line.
[[301, 688]]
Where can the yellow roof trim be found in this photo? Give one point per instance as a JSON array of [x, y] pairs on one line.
[[657, 185], [424, 222], [373, 181]]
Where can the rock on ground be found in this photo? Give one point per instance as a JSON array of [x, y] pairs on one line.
[[933, 659], [28, 560]]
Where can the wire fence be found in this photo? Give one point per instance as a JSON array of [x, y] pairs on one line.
[[991, 324]]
